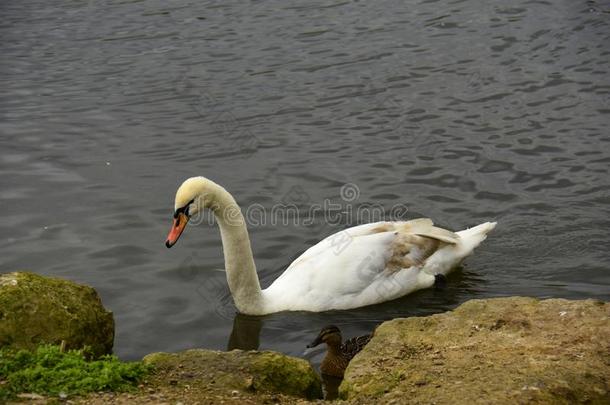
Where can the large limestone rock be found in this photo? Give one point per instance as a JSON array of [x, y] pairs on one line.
[[500, 351], [36, 310], [208, 374]]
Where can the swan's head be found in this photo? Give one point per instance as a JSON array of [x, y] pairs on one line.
[[190, 199], [331, 335]]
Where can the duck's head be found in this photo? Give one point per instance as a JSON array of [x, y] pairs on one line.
[[192, 196], [331, 335]]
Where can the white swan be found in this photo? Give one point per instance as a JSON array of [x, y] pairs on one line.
[[362, 265]]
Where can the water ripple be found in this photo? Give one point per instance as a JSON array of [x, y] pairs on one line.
[[464, 111]]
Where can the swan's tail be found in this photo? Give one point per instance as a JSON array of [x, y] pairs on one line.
[[450, 256], [472, 237]]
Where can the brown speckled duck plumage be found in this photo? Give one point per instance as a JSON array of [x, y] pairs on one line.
[[339, 353]]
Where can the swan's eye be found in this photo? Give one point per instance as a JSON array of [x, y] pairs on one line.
[[188, 206], [184, 210]]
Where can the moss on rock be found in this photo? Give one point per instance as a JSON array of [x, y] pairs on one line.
[[51, 371], [246, 372], [37, 310], [504, 350]]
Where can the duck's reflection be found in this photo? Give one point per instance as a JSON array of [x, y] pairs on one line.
[[246, 332], [330, 384]]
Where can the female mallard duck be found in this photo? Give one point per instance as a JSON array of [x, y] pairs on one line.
[[338, 355], [362, 265]]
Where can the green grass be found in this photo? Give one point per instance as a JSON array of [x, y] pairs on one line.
[[49, 371]]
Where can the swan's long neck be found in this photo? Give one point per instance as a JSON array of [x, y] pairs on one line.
[[239, 263]]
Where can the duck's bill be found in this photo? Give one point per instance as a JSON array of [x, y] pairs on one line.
[[177, 229], [316, 342]]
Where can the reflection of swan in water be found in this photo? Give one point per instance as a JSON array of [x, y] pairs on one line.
[[246, 332], [359, 266]]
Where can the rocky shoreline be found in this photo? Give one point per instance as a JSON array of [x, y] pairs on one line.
[[502, 350]]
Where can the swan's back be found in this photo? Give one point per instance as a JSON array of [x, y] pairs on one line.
[[369, 264]]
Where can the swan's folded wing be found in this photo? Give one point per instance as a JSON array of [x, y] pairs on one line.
[[417, 236], [353, 265], [440, 234], [339, 241], [340, 265], [425, 227], [410, 250]]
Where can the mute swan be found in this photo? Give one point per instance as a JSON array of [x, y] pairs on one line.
[[376, 262]]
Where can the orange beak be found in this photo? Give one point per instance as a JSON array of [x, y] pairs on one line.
[[177, 228]]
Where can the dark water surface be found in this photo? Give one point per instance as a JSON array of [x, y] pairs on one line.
[[465, 111]]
